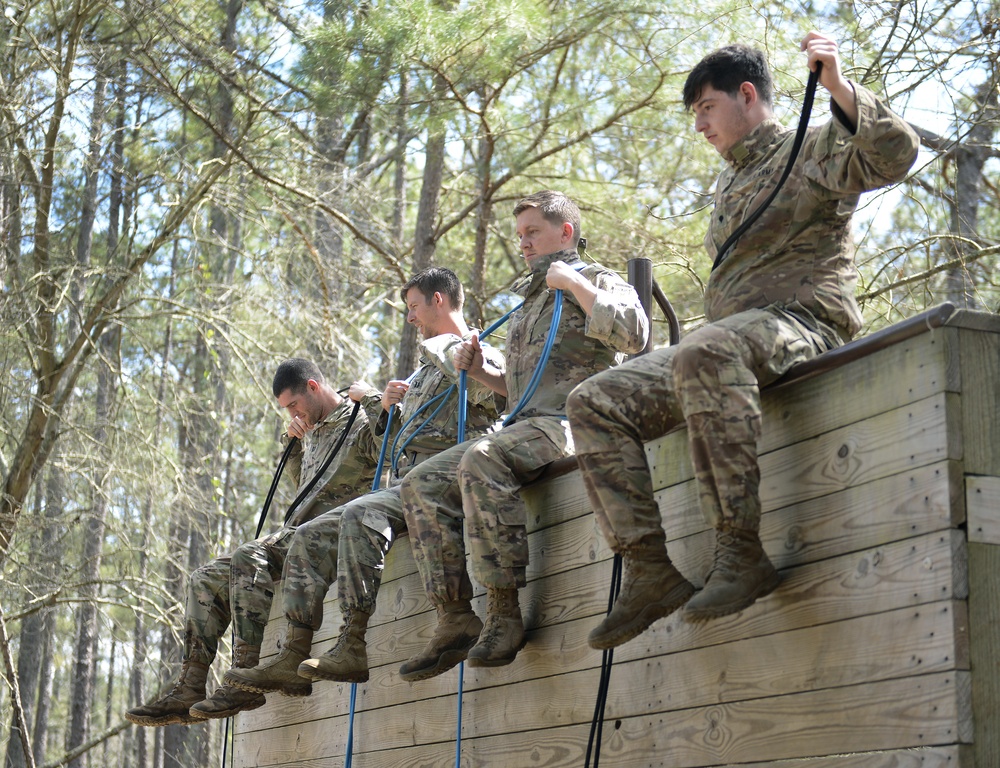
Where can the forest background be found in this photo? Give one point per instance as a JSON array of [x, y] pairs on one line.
[[191, 191]]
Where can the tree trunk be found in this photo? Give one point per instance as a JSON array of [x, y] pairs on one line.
[[970, 157], [476, 292], [87, 615], [425, 232]]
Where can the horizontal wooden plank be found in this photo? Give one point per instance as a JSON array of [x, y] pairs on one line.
[[902, 574], [896, 441], [982, 502], [987, 322], [925, 499], [566, 748], [933, 709], [903, 374]]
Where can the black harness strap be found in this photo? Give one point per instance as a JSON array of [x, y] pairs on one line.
[[326, 464]]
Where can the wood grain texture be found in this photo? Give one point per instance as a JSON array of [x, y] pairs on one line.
[[875, 651]]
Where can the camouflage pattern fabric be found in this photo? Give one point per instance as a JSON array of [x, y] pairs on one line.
[[800, 250], [584, 345], [241, 585], [350, 543], [713, 376], [782, 295], [478, 483]]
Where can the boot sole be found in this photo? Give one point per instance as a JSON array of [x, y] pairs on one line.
[[444, 662], [653, 612], [701, 615], [333, 677], [157, 722], [285, 689], [500, 661], [200, 716]]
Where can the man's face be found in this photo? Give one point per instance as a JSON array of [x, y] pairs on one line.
[[539, 237], [721, 118], [305, 405], [424, 313]]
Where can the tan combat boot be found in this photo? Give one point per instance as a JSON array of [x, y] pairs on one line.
[[228, 700], [281, 673], [740, 574], [347, 661], [651, 589], [457, 631], [503, 632], [172, 709]]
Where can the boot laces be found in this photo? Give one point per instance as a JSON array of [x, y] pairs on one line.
[[726, 555]]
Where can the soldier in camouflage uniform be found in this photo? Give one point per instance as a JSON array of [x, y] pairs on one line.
[[241, 586], [480, 481], [783, 294], [350, 543]]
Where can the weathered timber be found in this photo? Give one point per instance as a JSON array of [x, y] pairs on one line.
[[881, 499]]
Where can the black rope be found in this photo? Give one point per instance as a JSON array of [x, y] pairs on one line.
[[262, 518], [326, 464], [607, 659], [298, 500], [800, 135]]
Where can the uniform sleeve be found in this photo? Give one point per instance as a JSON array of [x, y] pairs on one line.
[[878, 152], [367, 445], [293, 466], [617, 319], [479, 393], [371, 404]]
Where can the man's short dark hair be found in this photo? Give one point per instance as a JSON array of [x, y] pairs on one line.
[[436, 280], [726, 69], [555, 207], [294, 374]]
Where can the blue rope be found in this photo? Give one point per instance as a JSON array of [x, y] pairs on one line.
[[536, 377], [396, 453], [376, 482], [543, 360]]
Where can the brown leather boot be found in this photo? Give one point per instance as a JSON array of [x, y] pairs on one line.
[[503, 631], [227, 699], [172, 709], [651, 589], [347, 661], [740, 574], [281, 673], [457, 631]]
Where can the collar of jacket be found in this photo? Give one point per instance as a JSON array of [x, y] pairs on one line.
[[742, 153], [539, 267]]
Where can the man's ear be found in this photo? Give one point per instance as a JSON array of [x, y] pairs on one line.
[[312, 385], [437, 298], [748, 93], [567, 232]]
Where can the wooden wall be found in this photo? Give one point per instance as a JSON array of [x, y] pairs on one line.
[[881, 490]]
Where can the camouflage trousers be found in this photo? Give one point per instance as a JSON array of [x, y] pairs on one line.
[[238, 587], [711, 380], [478, 483], [348, 544]]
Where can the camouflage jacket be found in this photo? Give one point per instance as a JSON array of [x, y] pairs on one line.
[[800, 251], [435, 375], [583, 346], [348, 476]]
